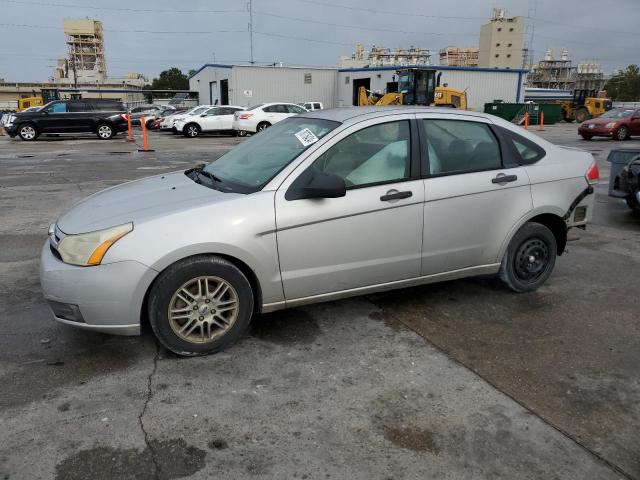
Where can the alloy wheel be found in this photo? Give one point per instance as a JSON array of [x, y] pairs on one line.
[[104, 131], [192, 131], [28, 132], [203, 309]]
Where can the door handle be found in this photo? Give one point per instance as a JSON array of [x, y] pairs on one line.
[[395, 195], [502, 178]]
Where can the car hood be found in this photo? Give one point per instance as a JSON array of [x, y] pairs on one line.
[[139, 201], [603, 121]]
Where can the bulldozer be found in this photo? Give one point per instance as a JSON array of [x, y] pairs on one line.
[[416, 86], [585, 104]]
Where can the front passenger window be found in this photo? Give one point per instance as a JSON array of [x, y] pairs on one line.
[[456, 146], [376, 154], [60, 107]]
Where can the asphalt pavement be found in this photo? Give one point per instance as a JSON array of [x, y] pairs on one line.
[[458, 380]]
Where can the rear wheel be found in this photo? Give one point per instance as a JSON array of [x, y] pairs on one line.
[[28, 132], [530, 258], [192, 130], [582, 115], [262, 126], [149, 123], [587, 137], [104, 131], [200, 305], [622, 133]]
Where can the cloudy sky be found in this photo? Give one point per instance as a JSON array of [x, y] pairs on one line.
[[148, 36]]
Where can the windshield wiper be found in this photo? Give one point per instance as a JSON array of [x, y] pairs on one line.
[[199, 170]]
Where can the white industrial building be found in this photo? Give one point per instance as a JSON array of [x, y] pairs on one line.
[[247, 85]]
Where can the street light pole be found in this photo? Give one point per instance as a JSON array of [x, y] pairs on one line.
[[250, 8]]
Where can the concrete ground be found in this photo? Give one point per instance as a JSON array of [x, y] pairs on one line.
[[460, 380]]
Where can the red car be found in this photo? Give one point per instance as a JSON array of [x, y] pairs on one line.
[[619, 124]]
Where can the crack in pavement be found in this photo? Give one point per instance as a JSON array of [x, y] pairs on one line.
[[557, 428], [156, 467]]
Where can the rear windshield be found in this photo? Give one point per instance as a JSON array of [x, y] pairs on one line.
[[255, 106]]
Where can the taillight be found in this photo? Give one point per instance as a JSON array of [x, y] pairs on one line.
[[124, 116], [245, 116], [593, 174]]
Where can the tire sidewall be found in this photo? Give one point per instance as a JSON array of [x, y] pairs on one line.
[[181, 272], [625, 132], [189, 126], [34, 130], [101, 126], [507, 270], [264, 125]]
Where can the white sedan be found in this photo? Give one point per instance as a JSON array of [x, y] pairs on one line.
[[216, 119], [259, 117]]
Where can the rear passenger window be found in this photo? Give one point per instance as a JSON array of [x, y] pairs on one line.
[[294, 109], [79, 107], [520, 150], [455, 146]]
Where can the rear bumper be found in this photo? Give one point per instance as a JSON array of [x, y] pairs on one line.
[[246, 125], [109, 297]]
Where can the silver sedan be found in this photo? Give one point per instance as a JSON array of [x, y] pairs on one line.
[[321, 206]]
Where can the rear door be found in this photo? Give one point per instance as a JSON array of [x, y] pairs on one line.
[[226, 117], [80, 116], [472, 196]]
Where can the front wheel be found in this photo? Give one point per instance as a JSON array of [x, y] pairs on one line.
[[28, 132], [622, 133], [530, 258], [192, 130], [105, 131], [587, 137], [200, 305], [582, 115], [632, 203]]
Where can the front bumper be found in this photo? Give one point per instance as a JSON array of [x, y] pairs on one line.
[[179, 126], [11, 130], [596, 131], [109, 297]]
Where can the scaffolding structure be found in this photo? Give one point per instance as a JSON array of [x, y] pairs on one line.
[[85, 50], [560, 73], [459, 56], [385, 57]]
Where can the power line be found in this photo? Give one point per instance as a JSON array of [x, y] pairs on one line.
[[359, 27], [202, 32], [302, 38], [116, 9]]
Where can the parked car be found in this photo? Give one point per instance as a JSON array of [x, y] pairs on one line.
[[168, 124], [216, 119], [103, 117], [624, 176], [618, 124], [321, 206], [311, 106], [150, 113], [259, 117]]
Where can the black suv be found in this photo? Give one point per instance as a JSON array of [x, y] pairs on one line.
[[103, 117]]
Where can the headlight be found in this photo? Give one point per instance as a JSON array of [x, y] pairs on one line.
[[88, 249], [610, 125]]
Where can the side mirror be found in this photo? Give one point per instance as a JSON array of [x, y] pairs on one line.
[[203, 115], [315, 184]]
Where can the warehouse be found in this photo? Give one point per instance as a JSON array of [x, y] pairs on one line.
[[483, 85], [246, 85]]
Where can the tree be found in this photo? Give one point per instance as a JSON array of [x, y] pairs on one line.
[[172, 79], [624, 86]]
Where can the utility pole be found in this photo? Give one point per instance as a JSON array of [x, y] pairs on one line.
[[250, 8]]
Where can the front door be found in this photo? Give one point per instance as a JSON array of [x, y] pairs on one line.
[[471, 199], [55, 118], [373, 235], [635, 123], [210, 120]]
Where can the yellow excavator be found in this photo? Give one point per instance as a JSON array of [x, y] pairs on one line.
[[416, 86], [586, 104]]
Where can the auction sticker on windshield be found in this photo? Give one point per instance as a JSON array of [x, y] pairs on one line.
[[306, 137]]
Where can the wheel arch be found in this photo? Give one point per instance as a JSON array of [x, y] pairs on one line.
[[244, 267], [550, 217]]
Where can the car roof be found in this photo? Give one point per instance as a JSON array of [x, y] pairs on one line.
[[357, 114]]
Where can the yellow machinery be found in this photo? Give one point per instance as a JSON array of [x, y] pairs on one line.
[[586, 104], [25, 103], [416, 86]]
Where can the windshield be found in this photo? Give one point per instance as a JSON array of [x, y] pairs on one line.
[[250, 165], [197, 111], [617, 114]]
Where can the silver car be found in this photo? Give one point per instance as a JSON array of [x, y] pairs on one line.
[[320, 206]]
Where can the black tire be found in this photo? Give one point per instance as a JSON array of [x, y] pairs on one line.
[[170, 281], [28, 132], [148, 123], [622, 133], [587, 137], [632, 203], [582, 115], [262, 126], [517, 271], [241, 133], [105, 131], [191, 130]]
